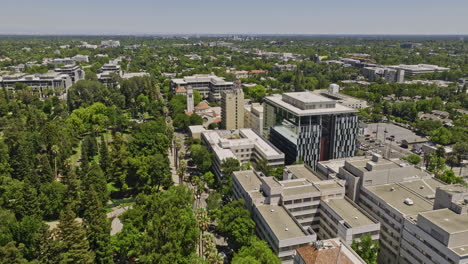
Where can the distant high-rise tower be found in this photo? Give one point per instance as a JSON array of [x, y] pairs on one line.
[[190, 100], [317, 58], [232, 108]]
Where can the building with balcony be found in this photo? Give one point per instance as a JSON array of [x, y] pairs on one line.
[[309, 127]]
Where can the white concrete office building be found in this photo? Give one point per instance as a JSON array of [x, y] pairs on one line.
[[317, 206], [51, 83], [74, 71], [242, 144], [210, 86]]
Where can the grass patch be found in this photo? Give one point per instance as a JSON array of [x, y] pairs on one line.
[[77, 154], [111, 187]]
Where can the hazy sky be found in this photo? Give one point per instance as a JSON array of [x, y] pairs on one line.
[[234, 16]]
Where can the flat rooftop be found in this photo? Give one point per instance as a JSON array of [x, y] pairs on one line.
[[338, 96], [248, 179], [335, 164], [329, 186], [240, 138], [300, 190], [425, 187], [280, 222], [381, 164], [308, 97], [197, 129], [447, 220], [350, 214], [302, 172], [260, 143], [394, 195]]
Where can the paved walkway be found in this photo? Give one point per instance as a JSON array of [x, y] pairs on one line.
[[116, 224]]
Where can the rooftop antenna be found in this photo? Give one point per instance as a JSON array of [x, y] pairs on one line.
[[339, 253]]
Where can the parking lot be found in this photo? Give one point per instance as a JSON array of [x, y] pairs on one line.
[[386, 131], [385, 139]]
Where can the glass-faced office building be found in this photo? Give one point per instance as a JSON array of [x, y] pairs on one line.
[[309, 127]]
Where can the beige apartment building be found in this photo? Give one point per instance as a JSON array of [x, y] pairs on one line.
[[232, 109], [253, 117]]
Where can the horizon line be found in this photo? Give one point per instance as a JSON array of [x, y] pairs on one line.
[[230, 34]]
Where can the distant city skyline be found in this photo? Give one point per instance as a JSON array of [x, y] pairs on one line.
[[424, 17]]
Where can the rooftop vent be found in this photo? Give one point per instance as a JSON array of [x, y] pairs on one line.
[[392, 189], [286, 229], [355, 217], [272, 210], [408, 201], [375, 157]]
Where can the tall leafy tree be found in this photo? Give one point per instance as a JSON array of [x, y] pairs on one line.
[[117, 173], [172, 232], [28, 203], [257, 250], [97, 227], [74, 244], [104, 156], [366, 248], [235, 222], [12, 254], [93, 178]]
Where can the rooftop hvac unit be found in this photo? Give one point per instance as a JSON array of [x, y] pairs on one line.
[[408, 201]]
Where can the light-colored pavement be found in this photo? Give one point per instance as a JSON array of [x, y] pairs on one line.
[[116, 224]]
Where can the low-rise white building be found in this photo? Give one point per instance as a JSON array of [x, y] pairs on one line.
[[243, 145], [110, 43], [74, 71], [51, 83]]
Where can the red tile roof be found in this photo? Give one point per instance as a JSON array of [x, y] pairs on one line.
[[202, 106], [311, 255]]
